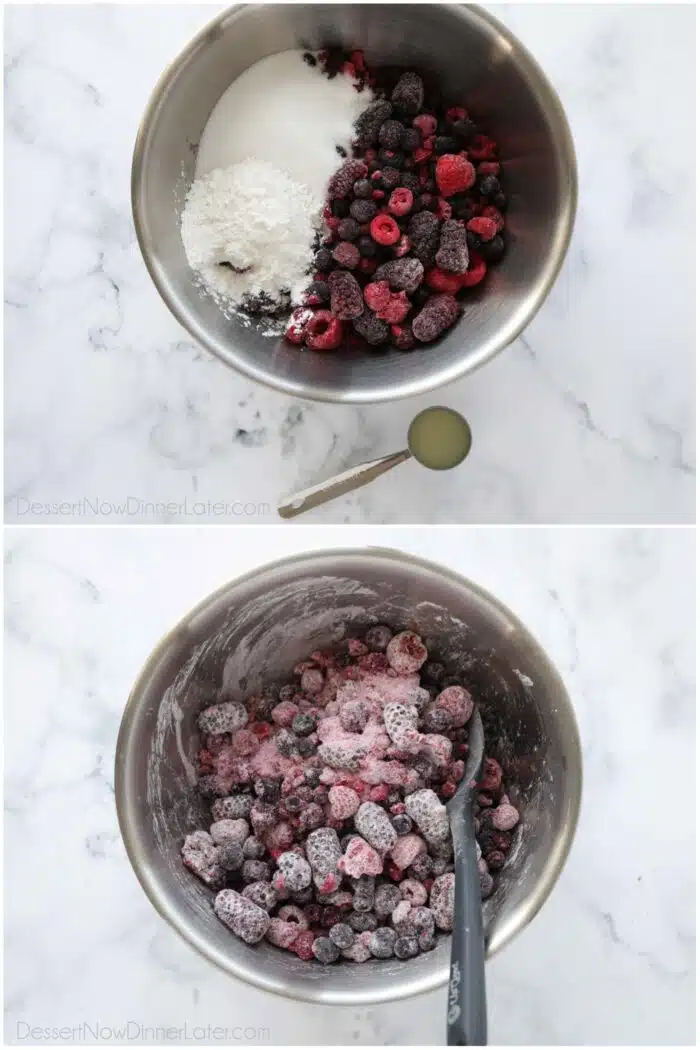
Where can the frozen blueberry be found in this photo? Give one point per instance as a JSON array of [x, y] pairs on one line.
[[253, 848], [231, 856], [362, 921], [341, 934], [366, 246], [492, 251], [377, 638], [256, 871], [387, 896], [427, 941], [382, 941], [406, 947], [489, 186], [402, 823], [432, 672]]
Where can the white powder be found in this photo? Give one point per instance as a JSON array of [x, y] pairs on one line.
[[263, 165]]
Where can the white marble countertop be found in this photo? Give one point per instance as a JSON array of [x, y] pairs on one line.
[[588, 417], [610, 958]]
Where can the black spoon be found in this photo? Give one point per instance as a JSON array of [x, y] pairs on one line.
[[466, 992]]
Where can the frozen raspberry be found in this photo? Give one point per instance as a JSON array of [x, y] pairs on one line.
[[263, 894], [403, 275], [282, 934], [406, 652], [223, 718], [489, 212], [458, 703], [505, 817], [390, 134], [401, 721], [341, 182], [341, 934], [346, 255], [476, 272], [442, 281], [324, 331], [346, 296], [482, 148], [383, 230], [400, 202], [403, 247], [424, 231], [439, 313], [406, 851], [202, 857], [297, 324], [293, 872], [426, 124], [484, 227], [491, 776], [344, 802], [377, 294], [453, 255], [425, 808], [407, 96], [442, 900], [395, 310], [414, 892], [323, 850], [370, 121], [225, 831], [360, 859], [231, 808], [245, 919], [454, 174], [363, 211], [375, 827], [303, 945]]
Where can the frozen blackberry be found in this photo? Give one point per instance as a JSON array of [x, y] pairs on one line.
[[253, 848], [325, 951], [233, 808], [446, 144], [492, 251], [439, 313], [432, 672], [370, 121], [374, 826], [378, 637], [371, 328], [424, 231], [341, 934], [406, 947], [342, 181], [362, 921], [382, 941], [305, 747], [267, 790], [303, 724], [410, 140], [323, 850], [366, 246], [363, 211], [346, 295], [390, 134], [263, 894], [402, 823], [244, 918], [256, 870], [408, 94], [386, 898], [436, 720], [349, 230], [223, 718], [391, 176], [489, 186], [210, 786], [231, 856], [403, 275], [452, 254], [362, 188]]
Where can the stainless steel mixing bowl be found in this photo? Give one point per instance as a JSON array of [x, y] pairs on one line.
[[261, 625], [480, 64]]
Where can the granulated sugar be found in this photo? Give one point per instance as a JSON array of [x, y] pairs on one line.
[[263, 165]]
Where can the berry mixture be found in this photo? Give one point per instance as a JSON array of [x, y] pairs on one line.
[[329, 833], [413, 219]]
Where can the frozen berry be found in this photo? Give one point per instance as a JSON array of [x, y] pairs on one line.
[[342, 181], [340, 209], [452, 255], [303, 724], [485, 228], [370, 121], [476, 272], [390, 134], [438, 314], [266, 789], [407, 95], [454, 174], [371, 328], [492, 251], [349, 230], [323, 260], [406, 947], [403, 275], [325, 950], [395, 311], [341, 935], [232, 808], [253, 848], [346, 255], [384, 230], [505, 817], [346, 296], [223, 718], [362, 188], [374, 826], [402, 337], [424, 231], [442, 281], [256, 871], [363, 211], [263, 894], [400, 202], [202, 857], [323, 850], [411, 139], [324, 331], [362, 921], [427, 941], [406, 652], [366, 246], [402, 823], [377, 294], [244, 918]]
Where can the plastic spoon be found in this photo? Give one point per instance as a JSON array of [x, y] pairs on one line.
[[438, 438], [466, 990]]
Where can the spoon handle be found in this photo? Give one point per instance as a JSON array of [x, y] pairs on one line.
[[466, 992], [336, 486]]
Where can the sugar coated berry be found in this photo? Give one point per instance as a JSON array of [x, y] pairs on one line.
[[400, 202], [436, 720], [341, 934], [406, 850], [453, 254], [348, 230], [323, 850], [372, 328], [424, 231], [226, 831], [406, 947], [384, 230], [362, 188], [346, 255], [363, 211], [476, 272], [377, 294], [261, 893], [458, 703], [406, 653], [255, 871], [396, 310], [231, 856], [282, 934], [402, 823], [428, 812], [505, 817], [378, 637], [223, 718], [293, 872], [346, 296], [344, 802], [325, 950], [390, 134], [202, 857], [382, 941], [244, 918], [362, 921], [231, 808], [386, 898], [402, 337], [442, 900], [439, 313], [297, 323], [253, 848], [360, 859], [303, 945], [370, 121], [402, 275], [324, 331], [427, 942], [374, 826], [414, 892], [342, 181], [454, 174]]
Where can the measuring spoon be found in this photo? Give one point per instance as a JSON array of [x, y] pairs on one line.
[[438, 438]]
